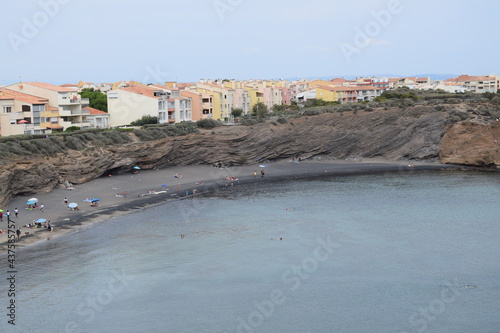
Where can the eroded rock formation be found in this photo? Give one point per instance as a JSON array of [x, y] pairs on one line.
[[411, 133]]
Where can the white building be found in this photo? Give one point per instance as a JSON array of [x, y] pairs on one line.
[[131, 103], [67, 101]]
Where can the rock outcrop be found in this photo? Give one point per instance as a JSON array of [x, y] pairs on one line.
[[471, 144], [411, 133]]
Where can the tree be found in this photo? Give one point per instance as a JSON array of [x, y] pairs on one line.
[[147, 119], [279, 108], [260, 110], [72, 129], [97, 99], [237, 112]]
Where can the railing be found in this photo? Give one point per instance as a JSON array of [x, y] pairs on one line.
[[17, 115]]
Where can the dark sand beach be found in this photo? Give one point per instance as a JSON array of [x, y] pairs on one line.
[[165, 186]]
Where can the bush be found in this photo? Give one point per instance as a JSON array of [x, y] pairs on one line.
[[282, 120], [144, 120], [312, 112], [72, 129], [249, 122], [207, 123]]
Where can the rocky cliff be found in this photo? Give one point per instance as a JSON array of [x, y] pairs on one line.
[[471, 144], [411, 133]]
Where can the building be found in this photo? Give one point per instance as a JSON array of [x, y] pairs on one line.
[[131, 103], [22, 113], [96, 118], [224, 97], [477, 84], [68, 102]]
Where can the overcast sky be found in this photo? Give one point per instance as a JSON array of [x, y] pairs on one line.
[[65, 41]]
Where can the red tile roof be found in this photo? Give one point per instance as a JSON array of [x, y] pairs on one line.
[[463, 78], [49, 86], [6, 94], [142, 90], [94, 111]]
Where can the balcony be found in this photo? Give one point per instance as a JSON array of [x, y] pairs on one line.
[[18, 115], [73, 101]]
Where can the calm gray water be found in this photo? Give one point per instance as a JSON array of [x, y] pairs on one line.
[[391, 253]]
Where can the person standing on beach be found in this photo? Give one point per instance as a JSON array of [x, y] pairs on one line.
[[18, 233], [255, 174], [1, 216], [49, 227], [262, 173], [41, 207], [8, 215], [66, 201], [16, 212]]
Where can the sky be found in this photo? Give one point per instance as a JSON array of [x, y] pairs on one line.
[[67, 41]]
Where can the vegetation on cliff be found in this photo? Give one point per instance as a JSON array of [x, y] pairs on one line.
[[398, 128]]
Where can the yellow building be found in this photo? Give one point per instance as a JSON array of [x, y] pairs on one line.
[[329, 94], [214, 102], [254, 95]]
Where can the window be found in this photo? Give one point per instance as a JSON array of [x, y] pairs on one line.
[[38, 107], [7, 109], [112, 95], [26, 108]]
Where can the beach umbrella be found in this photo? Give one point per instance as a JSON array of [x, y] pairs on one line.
[[137, 168], [94, 200], [89, 199], [30, 202], [262, 166], [33, 199], [72, 205], [1, 210], [70, 188], [41, 220], [22, 122]]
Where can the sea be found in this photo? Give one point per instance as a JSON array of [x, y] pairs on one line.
[[381, 253]]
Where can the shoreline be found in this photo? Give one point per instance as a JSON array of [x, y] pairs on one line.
[[204, 179]]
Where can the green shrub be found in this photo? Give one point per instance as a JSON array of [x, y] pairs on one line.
[[312, 112], [207, 123], [72, 129], [249, 122]]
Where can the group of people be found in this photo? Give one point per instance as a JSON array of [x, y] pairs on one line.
[[262, 173], [7, 213]]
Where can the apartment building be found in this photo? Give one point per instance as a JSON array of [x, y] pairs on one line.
[[131, 103], [22, 113], [477, 84], [68, 102], [96, 118]]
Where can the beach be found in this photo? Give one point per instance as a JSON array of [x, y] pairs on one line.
[[124, 193]]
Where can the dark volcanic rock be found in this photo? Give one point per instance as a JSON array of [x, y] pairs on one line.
[[411, 133]]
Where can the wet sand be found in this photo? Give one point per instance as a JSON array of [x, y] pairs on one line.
[[203, 179]]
